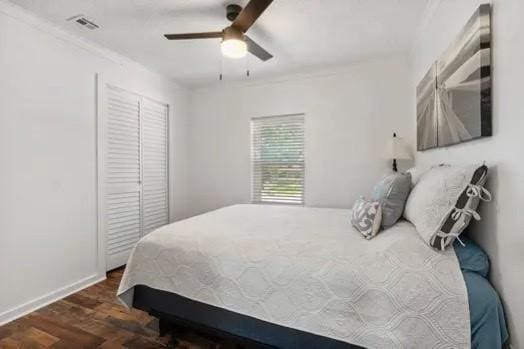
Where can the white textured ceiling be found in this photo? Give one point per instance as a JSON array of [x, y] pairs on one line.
[[301, 34]]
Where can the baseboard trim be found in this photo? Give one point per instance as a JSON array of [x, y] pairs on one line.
[[35, 304]]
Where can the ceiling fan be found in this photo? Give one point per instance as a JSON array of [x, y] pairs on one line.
[[235, 44]]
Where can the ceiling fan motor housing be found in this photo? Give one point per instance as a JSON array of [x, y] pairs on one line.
[[232, 33], [232, 11]]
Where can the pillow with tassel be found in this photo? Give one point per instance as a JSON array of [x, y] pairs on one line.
[[443, 202]]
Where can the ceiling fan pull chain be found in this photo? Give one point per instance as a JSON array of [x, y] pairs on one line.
[[221, 68], [247, 66]]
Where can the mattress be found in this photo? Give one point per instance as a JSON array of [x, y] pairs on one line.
[[309, 270]]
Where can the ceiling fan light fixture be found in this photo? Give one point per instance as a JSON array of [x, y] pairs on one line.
[[234, 48], [233, 43]]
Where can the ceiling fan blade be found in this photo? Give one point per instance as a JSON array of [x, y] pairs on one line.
[[257, 50], [188, 36], [250, 14]]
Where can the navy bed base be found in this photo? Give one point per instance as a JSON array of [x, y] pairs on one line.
[[172, 309]]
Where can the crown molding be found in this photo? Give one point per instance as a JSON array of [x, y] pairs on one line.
[[303, 74], [36, 22]]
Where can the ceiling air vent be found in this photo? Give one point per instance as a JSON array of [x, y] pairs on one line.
[[84, 22]]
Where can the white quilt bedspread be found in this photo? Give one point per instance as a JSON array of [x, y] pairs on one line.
[[308, 269]]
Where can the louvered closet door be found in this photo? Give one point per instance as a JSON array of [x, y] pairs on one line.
[[155, 165], [122, 175]]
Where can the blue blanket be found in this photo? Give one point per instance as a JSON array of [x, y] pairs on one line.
[[488, 325]]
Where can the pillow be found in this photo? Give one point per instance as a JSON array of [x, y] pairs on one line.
[[444, 200], [415, 173], [392, 192], [366, 217], [471, 257]]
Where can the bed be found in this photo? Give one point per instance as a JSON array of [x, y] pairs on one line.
[[295, 277]]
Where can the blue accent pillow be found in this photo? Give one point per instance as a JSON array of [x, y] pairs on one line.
[[472, 257], [392, 192], [488, 326]]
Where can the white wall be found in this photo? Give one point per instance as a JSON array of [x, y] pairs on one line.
[[48, 153], [48, 226], [350, 112], [501, 232]]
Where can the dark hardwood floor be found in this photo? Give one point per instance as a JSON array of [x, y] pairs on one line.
[[93, 318]]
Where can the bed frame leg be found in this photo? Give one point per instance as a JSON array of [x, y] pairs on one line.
[[163, 327]]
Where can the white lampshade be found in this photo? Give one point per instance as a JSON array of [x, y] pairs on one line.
[[397, 148]]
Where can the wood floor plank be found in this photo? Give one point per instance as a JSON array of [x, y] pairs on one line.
[[66, 332], [38, 337], [139, 342], [83, 301], [10, 343], [94, 318]]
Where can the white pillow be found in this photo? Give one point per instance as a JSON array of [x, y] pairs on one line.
[[444, 200], [417, 172]]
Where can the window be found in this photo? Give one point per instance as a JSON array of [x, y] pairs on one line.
[[277, 155]]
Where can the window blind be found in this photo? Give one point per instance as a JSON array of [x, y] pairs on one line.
[[278, 164]]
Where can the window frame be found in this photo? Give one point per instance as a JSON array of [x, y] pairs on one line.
[[252, 159]]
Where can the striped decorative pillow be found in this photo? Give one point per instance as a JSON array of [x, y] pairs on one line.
[[366, 217], [444, 200]]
